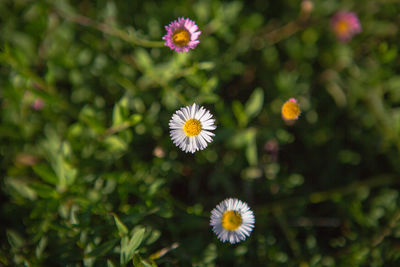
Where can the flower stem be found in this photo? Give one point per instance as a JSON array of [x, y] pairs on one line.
[[107, 29]]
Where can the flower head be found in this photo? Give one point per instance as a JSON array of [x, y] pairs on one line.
[[37, 104], [190, 128], [345, 25], [290, 110], [182, 35], [232, 220]]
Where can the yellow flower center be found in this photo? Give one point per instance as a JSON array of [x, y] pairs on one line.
[[192, 127], [342, 27], [290, 110], [231, 220], [181, 37]]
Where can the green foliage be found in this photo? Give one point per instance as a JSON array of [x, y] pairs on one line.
[[90, 177]]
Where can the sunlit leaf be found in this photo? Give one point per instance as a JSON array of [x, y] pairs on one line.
[[122, 229], [255, 103]]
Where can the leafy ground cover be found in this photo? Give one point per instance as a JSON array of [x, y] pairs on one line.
[[90, 176]]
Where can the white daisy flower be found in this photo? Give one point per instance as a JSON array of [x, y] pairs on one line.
[[190, 128], [232, 220]]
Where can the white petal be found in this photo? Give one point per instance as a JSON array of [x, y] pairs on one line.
[[193, 111], [200, 113]]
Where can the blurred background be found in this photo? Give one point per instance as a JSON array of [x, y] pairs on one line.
[[90, 177]]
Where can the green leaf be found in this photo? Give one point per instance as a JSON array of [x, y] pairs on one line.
[[143, 59], [122, 229], [251, 153], [240, 114], [15, 239], [210, 85], [242, 138], [89, 116], [65, 172], [46, 173], [206, 65], [21, 188], [120, 112], [140, 262], [103, 249], [137, 261], [115, 144], [255, 103], [136, 240], [251, 146], [134, 119], [124, 253], [57, 153], [43, 190], [128, 248], [41, 247], [110, 263], [210, 254]]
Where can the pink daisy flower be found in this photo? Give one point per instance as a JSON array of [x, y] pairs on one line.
[[182, 35], [345, 25]]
